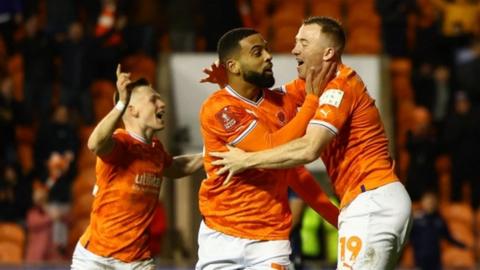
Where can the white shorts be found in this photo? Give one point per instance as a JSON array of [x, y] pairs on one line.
[[220, 251], [83, 259], [373, 228]]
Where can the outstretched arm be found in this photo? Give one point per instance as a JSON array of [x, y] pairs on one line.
[[100, 141], [184, 165], [297, 152]]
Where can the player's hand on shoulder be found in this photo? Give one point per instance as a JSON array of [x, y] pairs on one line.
[[216, 74]]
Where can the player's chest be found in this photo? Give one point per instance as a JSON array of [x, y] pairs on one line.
[[272, 115], [143, 171]]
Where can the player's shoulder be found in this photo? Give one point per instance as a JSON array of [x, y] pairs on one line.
[[219, 96], [121, 134], [218, 101], [346, 80]]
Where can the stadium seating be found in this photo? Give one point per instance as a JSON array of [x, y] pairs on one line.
[[12, 241], [331, 8]]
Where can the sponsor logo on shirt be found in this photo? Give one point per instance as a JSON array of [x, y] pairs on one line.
[[147, 182]]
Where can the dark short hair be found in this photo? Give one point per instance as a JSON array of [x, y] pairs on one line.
[[331, 27], [230, 41], [131, 86]]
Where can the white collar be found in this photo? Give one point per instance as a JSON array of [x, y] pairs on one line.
[[234, 93]]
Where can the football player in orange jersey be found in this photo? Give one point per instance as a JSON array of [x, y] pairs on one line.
[[130, 165], [347, 133], [246, 224]]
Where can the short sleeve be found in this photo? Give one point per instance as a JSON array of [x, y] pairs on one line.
[[229, 122], [118, 151], [333, 109]]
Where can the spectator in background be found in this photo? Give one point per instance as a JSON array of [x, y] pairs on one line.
[[432, 90], [60, 14], [10, 17], [428, 46], [58, 184], [144, 19], [56, 135], [75, 72], [181, 24], [37, 51], [443, 92], [468, 74], [40, 247], [424, 85], [10, 116], [394, 15], [460, 23], [461, 134], [108, 40], [427, 230], [423, 150], [215, 12], [14, 194]]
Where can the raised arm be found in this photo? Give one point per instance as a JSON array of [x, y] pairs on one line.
[[100, 141], [184, 165]]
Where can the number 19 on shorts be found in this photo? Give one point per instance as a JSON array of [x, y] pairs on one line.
[[350, 247]]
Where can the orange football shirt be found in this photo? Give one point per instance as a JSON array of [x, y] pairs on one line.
[[358, 158], [127, 188], [254, 205]]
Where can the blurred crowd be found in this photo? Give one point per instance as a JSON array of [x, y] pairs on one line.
[[57, 62]]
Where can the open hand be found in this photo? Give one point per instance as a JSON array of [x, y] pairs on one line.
[[232, 161], [216, 75], [318, 77]]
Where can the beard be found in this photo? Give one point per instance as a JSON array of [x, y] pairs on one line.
[[261, 80]]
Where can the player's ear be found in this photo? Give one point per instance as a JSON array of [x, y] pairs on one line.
[[328, 54], [232, 66]]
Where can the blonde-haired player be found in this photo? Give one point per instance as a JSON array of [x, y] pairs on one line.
[[130, 165]]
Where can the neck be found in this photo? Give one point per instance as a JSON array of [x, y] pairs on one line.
[[145, 134], [243, 88]]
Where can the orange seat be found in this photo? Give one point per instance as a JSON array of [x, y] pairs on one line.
[[456, 258], [84, 133], [83, 184], [283, 38], [259, 10], [407, 260], [102, 88], [86, 158], [15, 69], [445, 187], [140, 66], [82, 206], [11, 253], [25, 134], [25, 156], [12, 241], [458, 212], [330, 8]]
